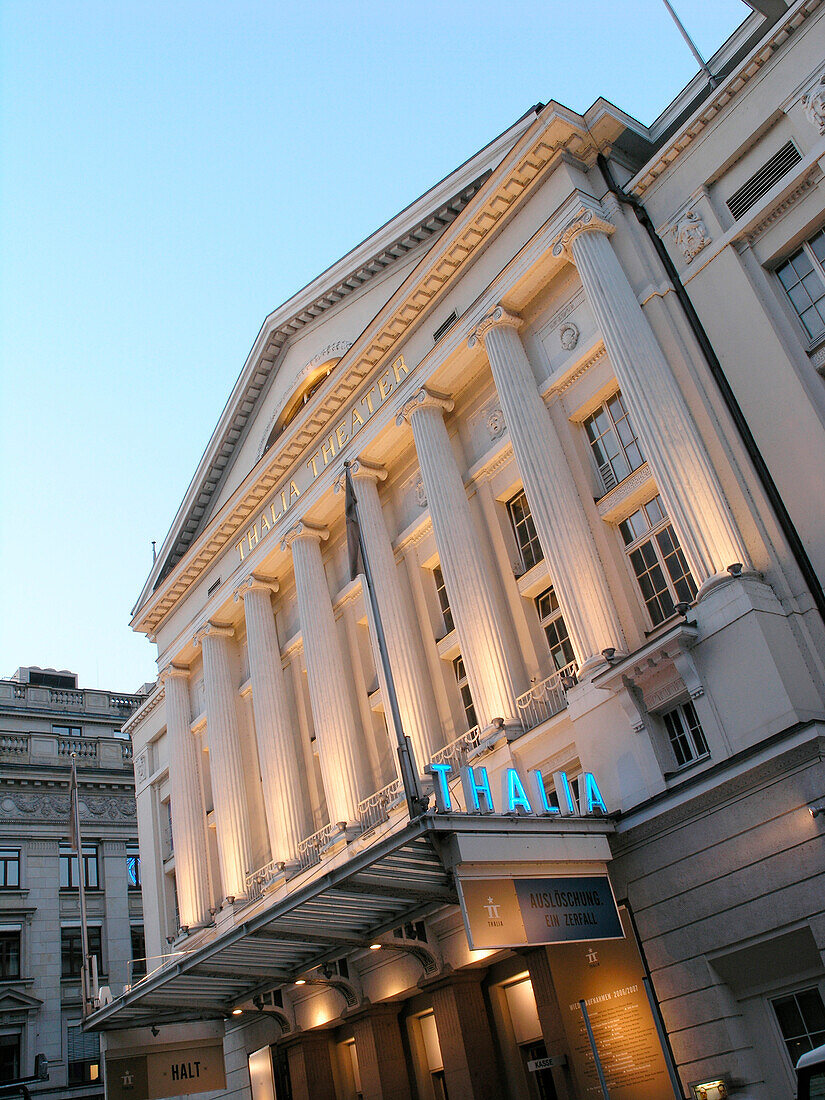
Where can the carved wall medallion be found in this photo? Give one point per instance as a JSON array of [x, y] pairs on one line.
[[420, 492], [495, 423], [569, 335], [691, 234], [813, 104]]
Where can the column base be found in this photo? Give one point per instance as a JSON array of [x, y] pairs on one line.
[[732, 573]]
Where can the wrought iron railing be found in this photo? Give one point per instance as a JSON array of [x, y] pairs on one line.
[[257, 881], [457, 751], [546, 698], [375, 808], [309, 849]]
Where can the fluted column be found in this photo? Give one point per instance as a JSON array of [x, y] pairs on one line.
[[274, 721], [474, 611], [335, 726], [412, 683], [225, 761], [686, 478], [562, 527], [188, 818]]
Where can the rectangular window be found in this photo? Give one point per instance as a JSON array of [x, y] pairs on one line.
[[133, 865], [464, 692], [803, 280], [9, 955], [801, 1019], [138, 951], [613, 442], [443, 599], [9, 1058], [684, 730], [68, 867], [9, 867], [82, 1055], [525, 531], [71, 950], [555, 630], [660, 566], [67, 731]]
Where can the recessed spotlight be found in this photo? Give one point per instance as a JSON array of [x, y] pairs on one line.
[[237, 1011], [375, 947], [300, 981]]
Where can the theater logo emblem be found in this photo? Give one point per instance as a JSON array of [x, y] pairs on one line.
[[494, 919]]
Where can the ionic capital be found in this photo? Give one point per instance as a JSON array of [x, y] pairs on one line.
[[498, 316], [303, 530], [361, 469], [583, 221], [255, 583], [424, 399], [173, 672], [213, 630]]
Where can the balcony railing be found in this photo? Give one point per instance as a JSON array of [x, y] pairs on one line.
[[257, 881], [309, 849], [38, 696], [457, 751], [546, 698], [375, 808], [51, 748]]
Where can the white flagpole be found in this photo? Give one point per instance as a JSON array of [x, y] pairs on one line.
[[85, 984]]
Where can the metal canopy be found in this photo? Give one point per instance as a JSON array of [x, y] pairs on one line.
[[400, 878], [397, 879]]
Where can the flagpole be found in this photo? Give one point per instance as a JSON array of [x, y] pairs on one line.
[[416, 804], [85, 984]]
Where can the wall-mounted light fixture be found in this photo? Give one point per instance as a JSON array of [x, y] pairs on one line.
[[735, 569], [817, 811]]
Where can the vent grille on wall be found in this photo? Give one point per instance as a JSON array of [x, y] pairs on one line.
[[442, 328], [762, 181]]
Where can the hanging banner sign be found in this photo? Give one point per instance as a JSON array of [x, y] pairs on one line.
[[176, 1072], [517, 912]]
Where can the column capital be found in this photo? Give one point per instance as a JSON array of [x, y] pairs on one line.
[[500, 315], [255, 583], [173, 671], [361, 469], [304, 530], [212, 630], [584, 220], [424, 399]]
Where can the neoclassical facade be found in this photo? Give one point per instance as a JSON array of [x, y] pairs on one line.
[[577, 386]]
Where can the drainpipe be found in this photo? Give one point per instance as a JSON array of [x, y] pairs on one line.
[[783, 517]]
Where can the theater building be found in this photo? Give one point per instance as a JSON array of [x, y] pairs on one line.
[[578, 386]]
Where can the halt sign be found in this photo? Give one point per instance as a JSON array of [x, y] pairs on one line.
[[517, 912], [179, 1071]]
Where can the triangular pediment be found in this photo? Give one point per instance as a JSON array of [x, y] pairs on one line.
[[14, 999]]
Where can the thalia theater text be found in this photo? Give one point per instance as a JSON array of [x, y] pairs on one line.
[[515, 799]]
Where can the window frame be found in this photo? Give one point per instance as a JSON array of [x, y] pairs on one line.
[[133, 860], [651, 537], [9, 935], [549, 620], [609, 483], [772, 999], [68, 864], [5, 863], [95, 932], [464, 693], [688, 734], [531, 552], [818, 269], [85, 1075], [443, 597]]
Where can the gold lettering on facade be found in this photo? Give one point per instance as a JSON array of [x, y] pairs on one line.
[[398, 366], [384, 386], [264, 524], [294, 492], [252, 537], [312, 462], [328, 451], [239, 548], [368, 398], [356, 416]]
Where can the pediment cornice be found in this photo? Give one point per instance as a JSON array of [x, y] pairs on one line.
[[557, 132]]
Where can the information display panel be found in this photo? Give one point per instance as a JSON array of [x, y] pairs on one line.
[[180, 1071]]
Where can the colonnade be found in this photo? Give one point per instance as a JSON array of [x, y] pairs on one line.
[[684, 475]]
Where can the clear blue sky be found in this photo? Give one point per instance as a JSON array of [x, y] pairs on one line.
[[173, 171]]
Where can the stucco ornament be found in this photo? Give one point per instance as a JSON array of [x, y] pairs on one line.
[[420, 492], [495, 423], [813, 104], [691, 234], [569, 335]]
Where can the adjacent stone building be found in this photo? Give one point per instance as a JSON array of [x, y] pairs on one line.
[[578, 383], [44, 719]]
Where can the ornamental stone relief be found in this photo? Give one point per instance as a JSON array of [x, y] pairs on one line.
[[813, 104], [496, 424], [569, 335], [691, 234], [56, 806], [420, 492]]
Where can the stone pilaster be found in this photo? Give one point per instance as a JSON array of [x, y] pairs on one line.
[[274, 721], [561, 524], [335, 726], [466, 1039], [550, 1018], [474, 612], [188, 817], [380, 1053], [686, 478], [225, 761], [310, 1067], [412, 683]]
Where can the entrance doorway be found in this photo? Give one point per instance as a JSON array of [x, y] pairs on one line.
[[540, 1080]]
